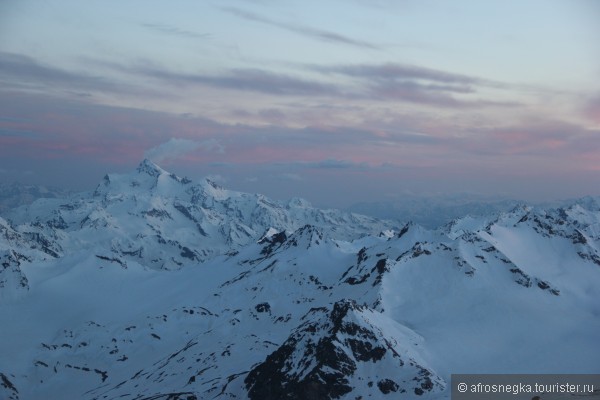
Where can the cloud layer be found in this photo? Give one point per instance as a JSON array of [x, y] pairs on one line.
[[407, 153], [307, 98]]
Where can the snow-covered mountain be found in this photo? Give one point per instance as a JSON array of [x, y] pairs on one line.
[[155, 287], [163, 221]]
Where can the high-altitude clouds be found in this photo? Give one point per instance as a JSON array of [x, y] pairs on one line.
[[361, 83], [254, 80], [318, 34], [22, 71], [173, 30], [326, 94]]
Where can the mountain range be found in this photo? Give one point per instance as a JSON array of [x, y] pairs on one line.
[[15, 194], [157, 287]]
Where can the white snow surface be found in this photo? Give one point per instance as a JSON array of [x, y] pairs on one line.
[[155, 286]]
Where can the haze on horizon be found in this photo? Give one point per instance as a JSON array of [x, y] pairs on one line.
[[337, 102]]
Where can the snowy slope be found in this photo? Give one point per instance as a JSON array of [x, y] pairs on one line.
[[305, 304]]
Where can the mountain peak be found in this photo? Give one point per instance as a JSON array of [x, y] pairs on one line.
[[150, 168], [305, 237]]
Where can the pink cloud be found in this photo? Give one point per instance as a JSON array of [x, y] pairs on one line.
[[392, 150]]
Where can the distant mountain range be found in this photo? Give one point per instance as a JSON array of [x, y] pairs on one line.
[[16, 194], [435, 211], [156, 287]]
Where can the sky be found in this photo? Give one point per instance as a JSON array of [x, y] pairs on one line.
[[337, 101]]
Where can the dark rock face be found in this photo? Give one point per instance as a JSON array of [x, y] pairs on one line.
[[40, 241], [263, 307], [356, 281], [145, 167], [305, 237], [272, 243], [322, 370], [403, 231], [361, 271], [578, 238], [387, 386], [381, 268], [158, 213], [11, 277], [187, 253], [8, 390], [322, 359]]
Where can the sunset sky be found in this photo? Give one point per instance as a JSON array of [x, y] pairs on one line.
[[334, 101]]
